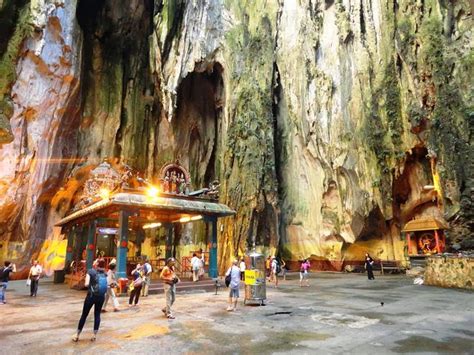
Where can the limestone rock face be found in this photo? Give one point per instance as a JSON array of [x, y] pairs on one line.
[[323, 121]]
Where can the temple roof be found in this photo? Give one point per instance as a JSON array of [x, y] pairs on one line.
[[163, 208], [424, 224]]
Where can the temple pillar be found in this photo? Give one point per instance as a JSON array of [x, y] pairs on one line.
[[408, 243], [438, 250], [69, 248], [213, 247], [169, 239], [122, 246], [90, 244]]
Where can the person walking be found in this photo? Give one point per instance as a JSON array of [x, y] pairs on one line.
[[283, 269], [170, 279], [274, 270], [203, 263], [34, 275], [147, 270], [195, 266], [234, 285], [5, 272], [369, 262], [111, 284], [136, 285], [96, 283], [242, 268], [304, 277]]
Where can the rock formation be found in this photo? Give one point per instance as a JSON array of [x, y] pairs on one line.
[[323, 120]]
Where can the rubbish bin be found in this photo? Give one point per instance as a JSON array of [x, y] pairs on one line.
[[122, 284], [59, 276], [255, 287]]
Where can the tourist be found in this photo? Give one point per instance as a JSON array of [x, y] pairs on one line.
[[96, 283], [234, 273], [147, 270], [136, 285], [242, 268], [34, 276], [304, 277], [195, 267], [170, 280], [268, 266], [203, 262], [8, 268], [274, 270], [111, 284], [283, 269], [368, 264]]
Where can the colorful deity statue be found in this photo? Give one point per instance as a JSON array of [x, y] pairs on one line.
[[182, 184], [174, 182], [166, 182]]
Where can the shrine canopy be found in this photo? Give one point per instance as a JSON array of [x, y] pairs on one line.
[[424, 224], [163, 208]]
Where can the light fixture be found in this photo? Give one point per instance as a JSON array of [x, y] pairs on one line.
[[196, 218], [104, 193], [151, 225], [184, 219], [152, 191]]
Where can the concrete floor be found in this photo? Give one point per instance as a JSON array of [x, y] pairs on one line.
[[338, 313]]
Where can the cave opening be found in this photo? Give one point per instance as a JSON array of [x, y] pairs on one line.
[[196, 125], [413, 190]]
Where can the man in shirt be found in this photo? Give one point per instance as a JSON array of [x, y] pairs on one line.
[[4, 277], [147, 270], [34, 276], [170, 280], [234, 273], [195, 266]]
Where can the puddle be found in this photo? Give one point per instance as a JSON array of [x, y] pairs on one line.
[[344, 320]]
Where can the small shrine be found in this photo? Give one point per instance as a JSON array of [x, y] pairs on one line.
[[118, 207], [425, 236]]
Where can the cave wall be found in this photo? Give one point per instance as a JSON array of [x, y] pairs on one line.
[[307, 112]]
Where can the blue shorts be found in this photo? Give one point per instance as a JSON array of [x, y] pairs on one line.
[[234, 292]]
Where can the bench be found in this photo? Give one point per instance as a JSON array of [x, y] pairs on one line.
[[392, 265]]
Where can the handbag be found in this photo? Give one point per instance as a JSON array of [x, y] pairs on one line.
[[28, 282], [228, 278]]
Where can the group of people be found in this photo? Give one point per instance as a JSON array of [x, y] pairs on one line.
[[34, 275], [101, 284]]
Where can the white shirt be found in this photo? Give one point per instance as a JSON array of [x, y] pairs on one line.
[[36, 270], [242, 266], [195, 263], [234, 272]]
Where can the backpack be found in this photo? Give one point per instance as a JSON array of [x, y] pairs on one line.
[[278, 267], [99, 286]]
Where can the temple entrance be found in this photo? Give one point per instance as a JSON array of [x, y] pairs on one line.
[[132, 225]]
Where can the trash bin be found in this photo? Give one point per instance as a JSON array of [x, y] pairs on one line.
[[255, 286], [122, 284], [59, 276]]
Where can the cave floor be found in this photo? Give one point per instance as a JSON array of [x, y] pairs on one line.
[[338, 313]]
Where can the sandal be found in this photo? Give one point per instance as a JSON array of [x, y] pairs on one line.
[[170, 316], [94, 338], [75, 338]]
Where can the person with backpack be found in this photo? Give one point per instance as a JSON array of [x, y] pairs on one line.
[[8, 268], [234, 273], [136, 285], [147, 270], [96, 283]]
